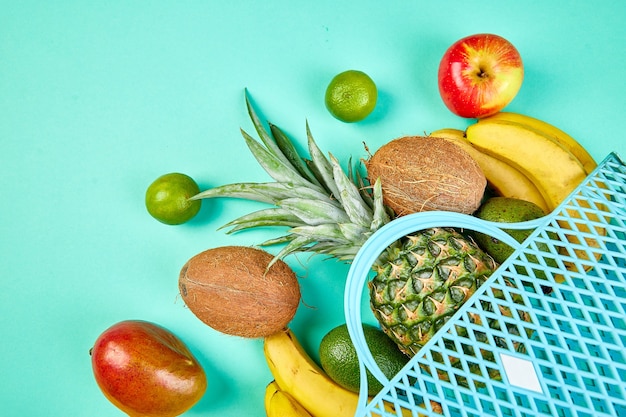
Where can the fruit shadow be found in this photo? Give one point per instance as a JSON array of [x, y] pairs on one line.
[[383, 104], [209, 209], [217, 387]]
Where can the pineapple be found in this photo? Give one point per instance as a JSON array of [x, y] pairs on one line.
[[421, 280]]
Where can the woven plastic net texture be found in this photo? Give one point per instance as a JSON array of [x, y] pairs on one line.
[[546, 334]]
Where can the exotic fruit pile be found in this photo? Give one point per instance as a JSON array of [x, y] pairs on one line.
[[328, 213], [505, 167], [420, 280]]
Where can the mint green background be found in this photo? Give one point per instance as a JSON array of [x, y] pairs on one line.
[[99, 98]]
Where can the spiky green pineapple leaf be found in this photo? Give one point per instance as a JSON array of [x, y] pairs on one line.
[[268, 192], [381, 215], [329, 231], [324, 209], [272, 147], [350, 197], [314, 212], [276, 167], [263, 218], [322, 167], [265, 192], [342, 253], [364, 188], [289, 150], [298, 244], [280, 240], [355, 233]]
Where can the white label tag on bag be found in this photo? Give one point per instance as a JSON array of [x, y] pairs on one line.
[[521, 373]]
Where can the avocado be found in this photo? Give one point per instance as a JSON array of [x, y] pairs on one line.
[[505, 210], [338, 357]]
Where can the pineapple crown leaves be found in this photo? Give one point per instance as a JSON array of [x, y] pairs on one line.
[[325, 209]]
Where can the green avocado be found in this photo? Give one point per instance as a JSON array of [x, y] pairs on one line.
[[505, 210], [338, 357], [508, 210]]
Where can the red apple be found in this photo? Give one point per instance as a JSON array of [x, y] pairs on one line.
[[479, 75], [145, 370]]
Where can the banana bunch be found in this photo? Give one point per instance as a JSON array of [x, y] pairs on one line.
[[553, 161], [553, 132], [527, 158], [303, 382], [279, 403], [524, 157], [301, 388]]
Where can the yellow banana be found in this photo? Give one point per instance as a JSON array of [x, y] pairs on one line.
[[298, 375], [553, 132], [587, 161], [270, 389], [507, 180], [281, 404], [552, 168]]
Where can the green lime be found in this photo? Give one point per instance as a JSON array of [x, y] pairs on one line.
[[351, 96], [339, 358], [168, 198]]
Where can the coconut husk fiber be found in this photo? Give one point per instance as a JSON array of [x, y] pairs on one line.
[[423, 173]]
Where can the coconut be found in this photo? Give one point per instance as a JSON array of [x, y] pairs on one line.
[[422, 173], [231, 289]]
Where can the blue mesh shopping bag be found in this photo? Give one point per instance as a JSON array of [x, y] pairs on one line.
[[545, 335]]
